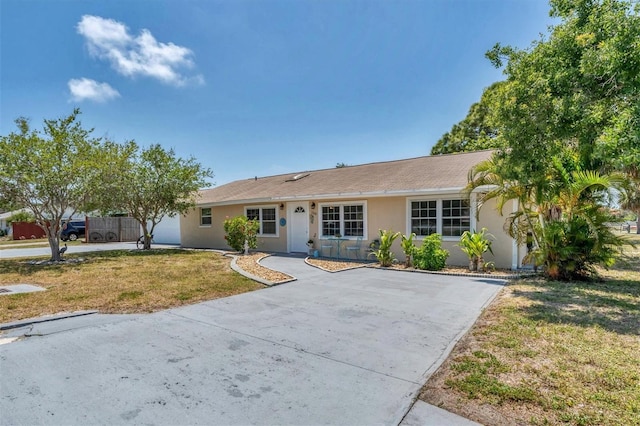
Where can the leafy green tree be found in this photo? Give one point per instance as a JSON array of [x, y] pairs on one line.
[[49, 172], [568, 114], [577, 90], [21, 216], [476, 132], [149, 184]]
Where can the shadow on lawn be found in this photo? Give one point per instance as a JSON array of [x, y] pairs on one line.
[[612, 304], [23, 267]]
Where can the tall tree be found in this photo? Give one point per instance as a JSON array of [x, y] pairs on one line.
[[578, 90], [150, 184], [476, 131], [49, 172], [569, 116]]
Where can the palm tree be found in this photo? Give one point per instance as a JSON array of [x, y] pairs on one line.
[[559, 217]]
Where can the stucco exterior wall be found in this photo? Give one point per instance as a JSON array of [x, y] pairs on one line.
[[381, 213], [194, 235], [489, 217]]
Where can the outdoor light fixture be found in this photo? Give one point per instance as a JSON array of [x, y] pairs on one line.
[[281, 206], [313, 205]]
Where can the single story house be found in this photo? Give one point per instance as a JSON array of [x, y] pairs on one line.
[[422, 195]]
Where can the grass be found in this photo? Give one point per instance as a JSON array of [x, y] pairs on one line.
[[9, 243], [120, 281], [551, 353]]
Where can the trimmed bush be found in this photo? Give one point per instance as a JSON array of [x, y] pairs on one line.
[[430, 256], [240, 229]]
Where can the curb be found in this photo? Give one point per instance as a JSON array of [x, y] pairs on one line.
[[38, 320]]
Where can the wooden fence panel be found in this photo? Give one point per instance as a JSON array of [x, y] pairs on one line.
[[112, 229]]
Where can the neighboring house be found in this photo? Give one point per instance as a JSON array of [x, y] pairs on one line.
[[422, 195], [167, 231], [4, 221]]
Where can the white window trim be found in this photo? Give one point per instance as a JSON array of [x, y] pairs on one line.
[[266, 206], [439, 217], [204, 225], [363, 203]]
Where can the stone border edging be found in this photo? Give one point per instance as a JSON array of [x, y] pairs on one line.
[[238, 269], [306, 260], [457, 274]]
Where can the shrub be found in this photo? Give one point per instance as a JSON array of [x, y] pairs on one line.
[[408, 247], [383, 253], [430, 256], [240, 229], [475, 245]]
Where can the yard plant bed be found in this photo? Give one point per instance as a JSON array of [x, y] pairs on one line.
[[550, 353], [337, 265], [251, 264], [120, 281]]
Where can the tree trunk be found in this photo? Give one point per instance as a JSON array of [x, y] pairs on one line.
[[638, 224], [51, 230], [147, 238], [54, 244]]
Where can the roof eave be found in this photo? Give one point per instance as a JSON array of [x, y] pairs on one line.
[[337, 195]]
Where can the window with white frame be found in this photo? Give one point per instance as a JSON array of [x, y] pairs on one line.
[[345, 219], [266, 217], [455, 217], [205, 216], [449, 218], [424, 217]]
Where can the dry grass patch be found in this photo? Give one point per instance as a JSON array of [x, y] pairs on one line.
[[550, 353], [120, 281]]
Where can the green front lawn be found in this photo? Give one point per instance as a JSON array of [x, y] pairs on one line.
[[551, 353]]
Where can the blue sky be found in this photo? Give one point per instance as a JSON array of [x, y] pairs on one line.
[[258, 87]]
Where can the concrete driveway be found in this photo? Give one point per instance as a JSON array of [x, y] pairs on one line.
[[348, 348]]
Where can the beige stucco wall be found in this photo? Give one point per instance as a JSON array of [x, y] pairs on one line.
[[194, 235], [382, 213]]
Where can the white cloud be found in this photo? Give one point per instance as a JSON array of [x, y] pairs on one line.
[[86, 89], [137, 55]]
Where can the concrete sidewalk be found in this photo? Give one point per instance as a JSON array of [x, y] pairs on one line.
[[347, 348]]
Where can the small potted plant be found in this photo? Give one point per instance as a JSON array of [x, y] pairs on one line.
[[310, 245]]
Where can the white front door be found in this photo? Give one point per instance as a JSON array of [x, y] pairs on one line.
[[298, 230]]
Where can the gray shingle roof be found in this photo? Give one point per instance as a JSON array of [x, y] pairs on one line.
[[410, 176]]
